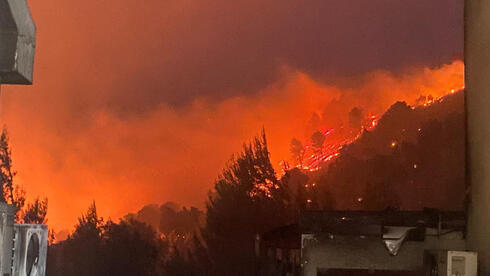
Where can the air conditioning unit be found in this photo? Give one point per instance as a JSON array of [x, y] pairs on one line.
[[30, 249], [451, 263]]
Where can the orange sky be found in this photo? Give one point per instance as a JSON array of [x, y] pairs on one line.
[[176, 153], [135, 104]]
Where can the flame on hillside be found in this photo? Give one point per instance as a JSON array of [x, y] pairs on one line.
[[330, 150]]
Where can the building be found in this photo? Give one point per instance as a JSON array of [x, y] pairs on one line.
[[377, 243], [364, 243], [279, 251]]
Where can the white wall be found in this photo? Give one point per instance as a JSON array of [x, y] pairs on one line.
[[351, 252]]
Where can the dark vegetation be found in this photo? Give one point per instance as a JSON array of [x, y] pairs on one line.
[[13, 194], [413, 159]]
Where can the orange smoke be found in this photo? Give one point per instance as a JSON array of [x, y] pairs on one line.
[[175, 153]]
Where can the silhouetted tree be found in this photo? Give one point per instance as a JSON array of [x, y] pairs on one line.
[[96, 248], [355, 117], [199, 258], [181, 221], [10, 193], [83, 250], [131, 248], [295, 180], [36, 212], [317, 140], [247, 199], [51, 237], [297, 151]]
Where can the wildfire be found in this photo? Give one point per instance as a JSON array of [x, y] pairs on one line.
[[331, 150], [315, 158], [372, 122], [429, 100]]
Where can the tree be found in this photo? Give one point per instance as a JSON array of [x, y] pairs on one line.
[[36, 212], [297, 151], [317, 140], [51, 237], [131, 248], [83, 250], [181, 221], [177, 265], [355, 117], [247, 199], [13, 194], [6, 171], [96, 248], [10, 193], [89, 224], [296, 182]]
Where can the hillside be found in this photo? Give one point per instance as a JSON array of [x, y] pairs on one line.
[[414, 158]]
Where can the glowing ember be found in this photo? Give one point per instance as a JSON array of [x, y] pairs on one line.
[[327, 132], [263, 189], [372, 122]]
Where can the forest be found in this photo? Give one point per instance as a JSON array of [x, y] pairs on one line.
[[413, 154]]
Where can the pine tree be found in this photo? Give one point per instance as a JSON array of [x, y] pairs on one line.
[[248, 199], [10, 193], [317, 140], [297, 151], [36, 212]]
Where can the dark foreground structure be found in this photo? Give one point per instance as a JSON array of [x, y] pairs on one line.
[[17, 42], [23, 247], [477, 82], [368, 243]]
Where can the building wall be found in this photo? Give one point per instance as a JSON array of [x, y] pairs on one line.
[[354, 252], [477, 82]]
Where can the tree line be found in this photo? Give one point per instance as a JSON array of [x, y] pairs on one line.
[[249, 197]]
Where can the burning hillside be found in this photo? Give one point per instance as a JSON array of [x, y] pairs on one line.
[[402, 160], [326, 145]]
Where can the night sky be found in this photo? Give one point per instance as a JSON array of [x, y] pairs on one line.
[[138, 102]]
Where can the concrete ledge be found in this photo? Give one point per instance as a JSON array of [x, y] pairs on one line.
[[17, 42]]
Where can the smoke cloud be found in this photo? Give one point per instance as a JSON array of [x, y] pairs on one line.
[[138, 103], [175, 153]]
